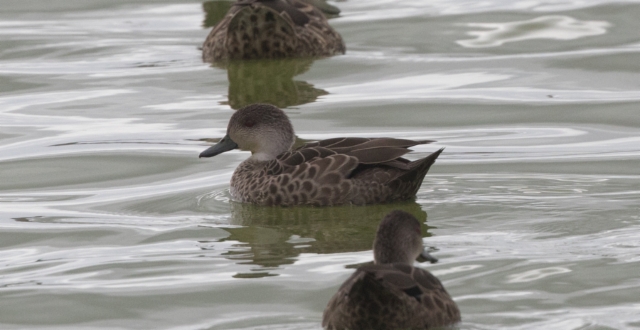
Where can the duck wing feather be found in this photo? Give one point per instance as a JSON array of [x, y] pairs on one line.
[[317, 181], [378, 159], [422, 286], [368, 151], [359, 143], [288, 161]]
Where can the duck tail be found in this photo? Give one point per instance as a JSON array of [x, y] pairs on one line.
[[418, 170], [420, 167]]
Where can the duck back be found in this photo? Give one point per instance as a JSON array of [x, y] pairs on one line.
[[271, 29], [390, 296]]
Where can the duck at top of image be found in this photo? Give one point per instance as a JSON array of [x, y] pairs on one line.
[[271, 29], [335, 171], [392, 293]]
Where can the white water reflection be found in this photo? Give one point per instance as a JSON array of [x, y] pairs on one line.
[[12, 103], [389, 9], [544, 27], [421, 84], [536, 274], [621, 316]]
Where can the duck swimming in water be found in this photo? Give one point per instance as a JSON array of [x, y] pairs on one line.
[[328, 172], [392, 294], [269, 29]]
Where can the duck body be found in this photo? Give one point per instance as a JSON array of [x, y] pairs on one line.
[[392, 293], [271, 29], [402, 296], [332, 172], [328, 172]]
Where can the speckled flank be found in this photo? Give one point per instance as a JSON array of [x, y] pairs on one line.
[[271, 29], [322, 175]]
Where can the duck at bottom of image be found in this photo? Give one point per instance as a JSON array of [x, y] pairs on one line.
[[392, 293]]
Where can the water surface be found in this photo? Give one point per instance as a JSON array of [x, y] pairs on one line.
[[110, 221]]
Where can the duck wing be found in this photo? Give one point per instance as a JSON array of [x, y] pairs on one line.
[[367, 151], [355, 170], [288, 161], [370, 151], [358, 142], [317, 165], [436, 305]]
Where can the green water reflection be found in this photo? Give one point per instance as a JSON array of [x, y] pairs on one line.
[[275, 236], [214, 11], [269, 81]]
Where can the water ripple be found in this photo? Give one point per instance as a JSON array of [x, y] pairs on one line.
[[110, 221], [543, 27]]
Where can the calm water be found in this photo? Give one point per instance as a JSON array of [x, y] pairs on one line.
[[110, 221]]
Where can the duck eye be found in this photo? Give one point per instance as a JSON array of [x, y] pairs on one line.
[[249, 123]]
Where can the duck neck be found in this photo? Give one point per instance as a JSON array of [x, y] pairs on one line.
[[390, 258], [389, 251], [262, 157], [270, 149]]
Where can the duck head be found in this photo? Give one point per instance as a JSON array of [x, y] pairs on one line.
[[399, 240], [262, 129]]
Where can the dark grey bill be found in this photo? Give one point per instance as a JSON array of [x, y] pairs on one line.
[[223, 145], [425, 256]]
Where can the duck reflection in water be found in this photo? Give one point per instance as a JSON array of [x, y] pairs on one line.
[[275, 236], [270, 81]]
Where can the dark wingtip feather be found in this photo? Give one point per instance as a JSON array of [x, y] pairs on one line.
[[429, 159], [420, 167]]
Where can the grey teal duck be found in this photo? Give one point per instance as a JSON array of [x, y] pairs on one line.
[[391, 293], [328, 172], [269, 29]]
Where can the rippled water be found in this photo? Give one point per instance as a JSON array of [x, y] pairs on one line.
[[110, 221]]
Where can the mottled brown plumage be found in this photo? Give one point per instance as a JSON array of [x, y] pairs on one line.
[[270, 29], [392, 294], [328, 172]]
